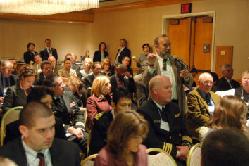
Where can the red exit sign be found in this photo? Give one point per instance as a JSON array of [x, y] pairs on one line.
[[186, 8]]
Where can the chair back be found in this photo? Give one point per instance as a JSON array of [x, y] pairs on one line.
[[89, 161], [161, 158], [11, 115], [194, 156]]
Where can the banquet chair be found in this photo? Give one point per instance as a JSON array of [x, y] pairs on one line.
[[161, 158], [194, 156], [11, 115], [89, 161]]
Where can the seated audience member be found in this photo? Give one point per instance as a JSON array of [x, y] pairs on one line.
[[124, 141], [229, 113], [226, 82], [100, 101], [122, 79], [122, 51], [36, 66], [88, 80], [121, 102], [67, 71], [243, 91], [127, 62], [87, 68], [54, 65], [19, 66], [6, 162], [37, 143], [201, 103], [100, 54], [142, 61], [225, 147], [6, 78], [48, 51], [166, 124], [17, 94], [29, 55], [46, 73], [107, 68], [74, 66], [37, 94]]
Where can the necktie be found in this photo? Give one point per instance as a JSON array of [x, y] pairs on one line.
[[40, 156]]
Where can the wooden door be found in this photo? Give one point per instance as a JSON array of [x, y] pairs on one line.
[[224, 55], [203, 42], [179, 36]]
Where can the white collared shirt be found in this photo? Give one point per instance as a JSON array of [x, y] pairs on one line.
[[169, 72], [163, 125], [31, 156]]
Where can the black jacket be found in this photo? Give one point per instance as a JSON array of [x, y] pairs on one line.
[[45, 54], [97, 56]]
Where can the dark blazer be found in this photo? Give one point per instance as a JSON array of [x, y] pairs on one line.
[[29, 56], [123, 53], [223, 85], [45, 54], [97, 56], [63, 153], [15, 96], [159, 138], [6, 82], [12, 131]]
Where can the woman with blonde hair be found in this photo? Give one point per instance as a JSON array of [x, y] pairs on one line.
[[100, 100], [124, 142], [229, 113]]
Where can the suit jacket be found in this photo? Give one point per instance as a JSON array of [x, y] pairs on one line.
[[15, 96], [6, 82], [223, 85], [160, 138], [63, 153], [97, 56], [45, 54], [197, 114], [29, 56], [98, 137], [123, 53]]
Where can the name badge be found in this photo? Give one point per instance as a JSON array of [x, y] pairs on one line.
[[164, 126]]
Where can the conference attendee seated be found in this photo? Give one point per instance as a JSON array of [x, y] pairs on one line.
[[142, 61], [29, 55], [124, 141], [54, 65], [243, 91], [37, 94], [100, 100], [6, 78], [101, 53], [229, 113], [166, 124], [37, 144], [201, 103], [88, 80], [36, 66], [48, 51], [226, 147], [107, 68], [46, 74], [87, 68], [122, 79], [17, 95], [121, 102], [67, 71], [226, 82]]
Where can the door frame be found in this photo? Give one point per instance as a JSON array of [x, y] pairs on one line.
[[165, 23]]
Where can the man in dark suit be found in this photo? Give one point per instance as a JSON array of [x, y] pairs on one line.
[[37, 145], [123, 51], [226, 82], [48, 51], [166, 125]]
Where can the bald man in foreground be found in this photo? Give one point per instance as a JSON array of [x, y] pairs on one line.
[[166, 126]]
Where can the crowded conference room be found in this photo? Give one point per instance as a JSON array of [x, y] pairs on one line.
[[124, 83]]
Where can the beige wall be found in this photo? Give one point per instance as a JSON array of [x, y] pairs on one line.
[[136, 25], [15, 35]]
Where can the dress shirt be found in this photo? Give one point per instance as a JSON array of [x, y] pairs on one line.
[[169, 72], [32, 159]]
